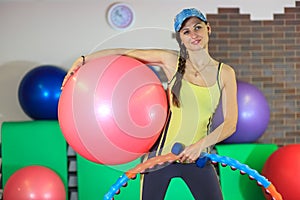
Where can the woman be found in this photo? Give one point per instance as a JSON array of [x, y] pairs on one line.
[[196, 84]]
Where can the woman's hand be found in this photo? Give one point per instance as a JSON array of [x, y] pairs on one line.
[[191, 153], [76, 65]]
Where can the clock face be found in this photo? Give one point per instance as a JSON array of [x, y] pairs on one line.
[[120, 16]]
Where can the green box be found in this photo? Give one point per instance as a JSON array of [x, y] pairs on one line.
[[95, 180], [33, 143], [236, 186]]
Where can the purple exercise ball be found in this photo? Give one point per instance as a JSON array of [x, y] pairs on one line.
[[253, 114]]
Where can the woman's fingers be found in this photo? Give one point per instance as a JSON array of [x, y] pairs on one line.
[[184, 157], [188, 156]]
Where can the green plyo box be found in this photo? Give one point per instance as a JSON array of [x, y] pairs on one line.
[[236, 186], [95, 180], [33, 143]]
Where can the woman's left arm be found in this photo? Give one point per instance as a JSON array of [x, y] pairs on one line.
[[230, 113], [229, 106]]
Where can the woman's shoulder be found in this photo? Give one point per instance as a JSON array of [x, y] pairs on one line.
[[227, 68], [169, 59], [227, 73], [166, 56], [170, 54]]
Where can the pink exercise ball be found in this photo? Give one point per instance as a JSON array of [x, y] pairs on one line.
[[34, 183], [112, 110], [282, 169]]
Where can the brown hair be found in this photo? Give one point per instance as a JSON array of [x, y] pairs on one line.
[[183, 55]]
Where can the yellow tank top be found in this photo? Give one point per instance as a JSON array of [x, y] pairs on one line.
[[189, 123]]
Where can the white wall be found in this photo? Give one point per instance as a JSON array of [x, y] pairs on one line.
[[36, 32], [58, 31]]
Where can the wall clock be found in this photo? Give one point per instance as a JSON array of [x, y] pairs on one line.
[[120, 16]]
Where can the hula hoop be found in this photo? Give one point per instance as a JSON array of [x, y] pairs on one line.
[[214, 158]]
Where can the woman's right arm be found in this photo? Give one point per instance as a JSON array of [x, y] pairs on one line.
[[157, 57]]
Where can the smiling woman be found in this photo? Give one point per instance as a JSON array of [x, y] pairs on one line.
[[196, 83]]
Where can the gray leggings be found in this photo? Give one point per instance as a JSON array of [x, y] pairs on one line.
[[203, 182]]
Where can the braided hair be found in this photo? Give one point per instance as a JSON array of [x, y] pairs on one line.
[[183, 56]]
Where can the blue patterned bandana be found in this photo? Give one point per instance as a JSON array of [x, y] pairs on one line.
[[186, 13]]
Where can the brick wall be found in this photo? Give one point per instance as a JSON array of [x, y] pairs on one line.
[[266, 54]]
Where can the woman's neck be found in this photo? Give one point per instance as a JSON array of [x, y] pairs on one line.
[[200, 59]]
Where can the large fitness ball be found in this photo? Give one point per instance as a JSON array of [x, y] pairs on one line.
[[112, 110], [282, 168], [39, 91], [34, 183], [253, 114]]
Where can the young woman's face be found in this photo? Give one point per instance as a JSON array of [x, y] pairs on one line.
[[194, 34]]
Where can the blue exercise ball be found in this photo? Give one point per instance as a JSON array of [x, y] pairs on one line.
[[39, 92], [253, 114]]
